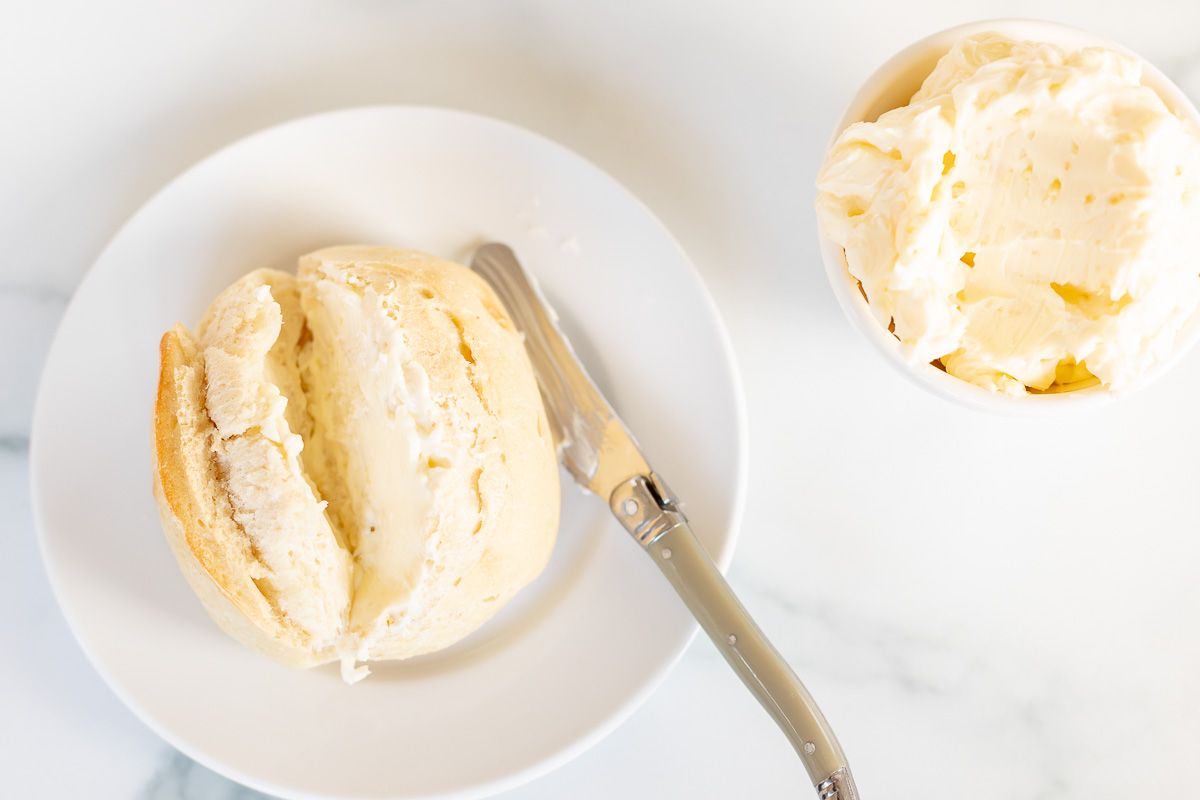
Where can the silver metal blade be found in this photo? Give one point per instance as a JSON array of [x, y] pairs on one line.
[[600, 453], [594, 445]]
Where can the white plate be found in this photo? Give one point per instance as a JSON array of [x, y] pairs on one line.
[[578, 650]]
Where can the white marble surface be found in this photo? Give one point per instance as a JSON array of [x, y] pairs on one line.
[[987, 608]]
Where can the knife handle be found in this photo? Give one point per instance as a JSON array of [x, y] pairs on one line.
[[648, 510]]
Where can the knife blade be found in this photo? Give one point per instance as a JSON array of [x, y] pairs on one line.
[[601, 454], [594, 444]]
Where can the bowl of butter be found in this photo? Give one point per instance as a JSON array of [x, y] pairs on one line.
[[1010, 211]]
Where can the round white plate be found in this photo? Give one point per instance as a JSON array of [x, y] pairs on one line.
[[578, 650]]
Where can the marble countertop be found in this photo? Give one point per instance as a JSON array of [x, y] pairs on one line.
[[986, 607]]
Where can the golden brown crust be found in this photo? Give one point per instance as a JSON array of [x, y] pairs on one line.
[[202, 534], [472, 355]]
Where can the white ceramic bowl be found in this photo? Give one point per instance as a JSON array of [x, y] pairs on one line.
[[891, 86]]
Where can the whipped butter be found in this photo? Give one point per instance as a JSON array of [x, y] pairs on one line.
[[1029, 220]]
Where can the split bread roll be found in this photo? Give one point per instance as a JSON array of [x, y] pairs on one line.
[[353, 463]]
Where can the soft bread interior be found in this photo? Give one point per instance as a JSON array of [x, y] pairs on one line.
[[216, 556], [373, 448], [381, 445], [250, 340], [440, 468]]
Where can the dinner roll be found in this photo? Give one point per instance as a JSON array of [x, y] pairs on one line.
[[353, 463]]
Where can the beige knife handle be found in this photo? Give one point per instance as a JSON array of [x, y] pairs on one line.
[[650, 512]]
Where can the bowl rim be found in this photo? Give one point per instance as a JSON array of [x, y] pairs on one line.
[[846, 288]]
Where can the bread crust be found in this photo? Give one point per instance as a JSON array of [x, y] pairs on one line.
[[189, 499], [470, 350]]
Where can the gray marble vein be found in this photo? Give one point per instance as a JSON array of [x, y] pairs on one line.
[[180, 778], [35, 293], [29, 314], [13, 443]]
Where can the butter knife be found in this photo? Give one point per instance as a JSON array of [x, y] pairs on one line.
[[601, 455]]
